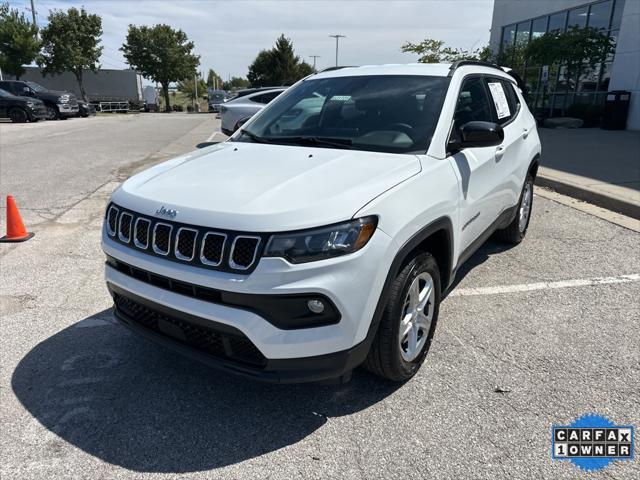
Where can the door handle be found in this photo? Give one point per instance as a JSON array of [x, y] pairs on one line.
[[499, 153], [525, 132]]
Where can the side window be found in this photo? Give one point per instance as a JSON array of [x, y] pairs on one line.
[[8, 86], [504, 99], [473, 103], [267, 97], [512, 97]]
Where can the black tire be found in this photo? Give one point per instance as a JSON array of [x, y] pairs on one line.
[[52, 112], [385, 357], [514, 233], [18, 115]]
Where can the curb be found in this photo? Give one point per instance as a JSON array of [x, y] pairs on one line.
[[615, 204]]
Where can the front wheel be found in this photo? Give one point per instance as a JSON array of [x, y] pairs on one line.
[[52, 112], [514, 233], [18, 115], [408, 322]]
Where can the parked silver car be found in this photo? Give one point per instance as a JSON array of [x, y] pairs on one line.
[[235, 112]]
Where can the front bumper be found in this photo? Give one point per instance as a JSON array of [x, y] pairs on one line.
[[38, 112], [353, 283], [251, 365], [68, 110]]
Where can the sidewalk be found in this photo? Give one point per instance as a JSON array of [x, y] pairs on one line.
[[598, 166]]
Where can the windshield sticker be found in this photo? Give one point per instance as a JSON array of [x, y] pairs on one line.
[[340, 98], [499, 99]]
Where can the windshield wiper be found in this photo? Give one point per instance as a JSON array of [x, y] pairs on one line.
[[255, 137], [310, 140]]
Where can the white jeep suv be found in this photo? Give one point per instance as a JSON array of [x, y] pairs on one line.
[[318, 239]]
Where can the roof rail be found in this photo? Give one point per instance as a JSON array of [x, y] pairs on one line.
[[463, 63], [329, 69]]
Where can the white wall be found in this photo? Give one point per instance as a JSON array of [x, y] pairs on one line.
[[626, 64]]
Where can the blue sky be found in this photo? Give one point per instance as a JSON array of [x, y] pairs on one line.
[[229, 34]]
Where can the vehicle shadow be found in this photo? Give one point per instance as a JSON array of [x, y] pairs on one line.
[[489, 248], [136, 405]]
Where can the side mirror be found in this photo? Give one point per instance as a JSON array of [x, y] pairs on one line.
[[26, 91], [206, 144], [476, 134]]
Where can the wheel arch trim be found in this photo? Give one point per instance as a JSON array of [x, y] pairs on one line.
[[442, 224]]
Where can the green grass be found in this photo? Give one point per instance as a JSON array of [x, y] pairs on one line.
[[179, 98]]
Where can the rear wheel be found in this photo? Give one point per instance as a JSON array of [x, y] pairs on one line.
[[408, 322], [514, 233], [18, 115]]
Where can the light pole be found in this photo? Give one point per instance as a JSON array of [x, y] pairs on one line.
[[314, 60], [33, 13], [337, 37]]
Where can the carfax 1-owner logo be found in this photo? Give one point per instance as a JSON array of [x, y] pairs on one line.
[[592, 442]]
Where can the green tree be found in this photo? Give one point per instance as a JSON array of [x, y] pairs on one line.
[[278, 66], [435, 51], [236, 83], [574, 49], [70, 43], [214, 80], [161, 54], [187, 86], [19, 43]]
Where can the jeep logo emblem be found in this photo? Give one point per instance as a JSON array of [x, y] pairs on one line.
[[166, 212]]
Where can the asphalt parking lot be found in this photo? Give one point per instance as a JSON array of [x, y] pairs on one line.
[[531, 336]]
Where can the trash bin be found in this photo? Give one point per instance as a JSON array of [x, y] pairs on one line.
[[616, 110]]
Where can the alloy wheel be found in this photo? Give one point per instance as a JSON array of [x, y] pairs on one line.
[[417, 315], [525, 207]]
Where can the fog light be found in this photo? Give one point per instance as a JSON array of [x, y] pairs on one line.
[[316, 306]]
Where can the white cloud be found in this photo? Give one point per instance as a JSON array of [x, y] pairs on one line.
[[229, 34]]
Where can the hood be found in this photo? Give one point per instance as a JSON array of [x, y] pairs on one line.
[[53, 94], [265, 188]]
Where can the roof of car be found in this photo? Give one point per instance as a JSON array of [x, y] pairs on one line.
[[435, 69], [431, 69]]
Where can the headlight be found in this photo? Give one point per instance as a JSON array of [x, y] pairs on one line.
[[320, 243], [31, 104], [64, 98]]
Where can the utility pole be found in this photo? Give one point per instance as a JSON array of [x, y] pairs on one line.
[[196, 107], [337, 37], [33, 13], [314, 60]]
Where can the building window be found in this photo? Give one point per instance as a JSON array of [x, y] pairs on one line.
[[600, 15], [508, 36], [578, 18], [539, 27], [522, 33], [557, 22], [561, 90]]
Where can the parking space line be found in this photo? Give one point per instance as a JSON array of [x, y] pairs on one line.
[[211, 137], [529, 287]]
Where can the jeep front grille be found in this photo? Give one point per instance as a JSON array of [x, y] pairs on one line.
[[200, 246]]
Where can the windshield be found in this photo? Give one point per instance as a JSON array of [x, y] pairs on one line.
[[385, 113], [37, 87], [216, 96], [4, 93]]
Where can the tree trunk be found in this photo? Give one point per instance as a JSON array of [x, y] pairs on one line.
[[165, 91], [83, 94]]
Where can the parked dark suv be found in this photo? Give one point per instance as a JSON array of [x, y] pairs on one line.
[[21, 109], [58, 104]]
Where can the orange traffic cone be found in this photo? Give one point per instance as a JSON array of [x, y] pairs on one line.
[[15, 228]]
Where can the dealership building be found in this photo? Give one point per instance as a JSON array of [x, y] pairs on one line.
[[516, 22]]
